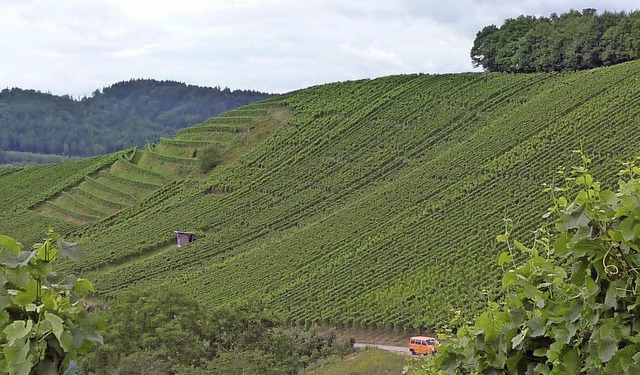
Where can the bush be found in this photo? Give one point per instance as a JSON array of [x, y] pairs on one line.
[[248, 362], [151, 325], [141, 363], [209, 157], [165, 331]]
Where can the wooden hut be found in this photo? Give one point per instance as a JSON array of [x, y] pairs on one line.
[[184, 238]]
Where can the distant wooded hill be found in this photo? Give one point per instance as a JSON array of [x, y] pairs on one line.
[[125, 114]]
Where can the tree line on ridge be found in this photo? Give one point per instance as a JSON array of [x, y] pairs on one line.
[[567, 42]]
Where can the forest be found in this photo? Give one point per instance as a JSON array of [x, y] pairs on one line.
[[568, 42], [128, 113]]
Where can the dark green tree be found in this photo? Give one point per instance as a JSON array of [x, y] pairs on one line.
[[161, 330], [571, 41], [484, 48]]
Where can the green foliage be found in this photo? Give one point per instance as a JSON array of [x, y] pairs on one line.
[[571, 41], [43, 322], [171, 330], [570, 306], [209, 157], [156, 325]]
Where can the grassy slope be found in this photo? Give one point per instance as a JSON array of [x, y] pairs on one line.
[[378, 203], [366, 361]]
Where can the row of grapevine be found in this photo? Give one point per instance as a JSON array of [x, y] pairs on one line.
[[376, 204]]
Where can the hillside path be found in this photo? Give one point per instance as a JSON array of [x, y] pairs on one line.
[[389, 348]]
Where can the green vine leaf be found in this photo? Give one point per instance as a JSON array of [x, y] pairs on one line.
[[571, 362], [83, 287], [504, 258], [19, 277], [28, 295], [17, 330], [10, 244], [517, 340], [71, 250], [57, 324], [17, 359], [607, 347], [11, 260], [626, 228]]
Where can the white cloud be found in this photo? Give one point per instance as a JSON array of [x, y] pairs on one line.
[[74, 47]]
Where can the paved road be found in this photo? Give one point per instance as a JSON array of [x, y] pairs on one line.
[[400, 349]]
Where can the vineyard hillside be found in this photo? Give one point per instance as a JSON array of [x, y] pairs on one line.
[[370, 203]]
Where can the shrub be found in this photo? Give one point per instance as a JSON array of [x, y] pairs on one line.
[[170, 330], [156, 324]]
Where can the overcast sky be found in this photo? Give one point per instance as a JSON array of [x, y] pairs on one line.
[[74, 47]]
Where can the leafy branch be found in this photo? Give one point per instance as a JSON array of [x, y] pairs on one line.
[[44, 325]]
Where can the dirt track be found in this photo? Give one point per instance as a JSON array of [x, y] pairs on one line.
[[397, 349]]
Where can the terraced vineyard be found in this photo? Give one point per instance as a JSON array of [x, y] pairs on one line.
[[136, 174], [376, 204]]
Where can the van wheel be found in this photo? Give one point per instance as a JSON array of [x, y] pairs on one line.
[[412, 352]]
